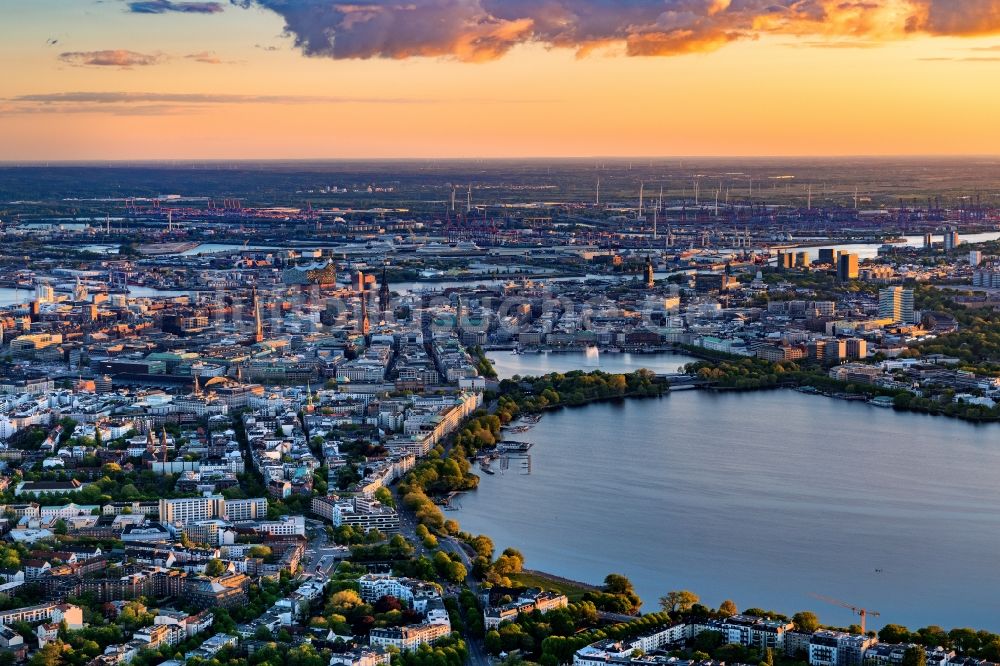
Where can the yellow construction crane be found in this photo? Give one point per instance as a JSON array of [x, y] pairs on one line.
[[863, 613]]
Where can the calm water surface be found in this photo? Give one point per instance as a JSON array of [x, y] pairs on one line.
[[870, 250], [765, 498], [11, 296]]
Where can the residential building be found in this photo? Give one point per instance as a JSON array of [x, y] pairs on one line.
[[408, 638], [837, 648], [361, 656], [896, 304]]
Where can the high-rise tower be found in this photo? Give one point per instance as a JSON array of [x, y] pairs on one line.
[[383, 294], [258, 332]]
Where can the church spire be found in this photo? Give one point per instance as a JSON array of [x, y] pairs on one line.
[[366, 326]]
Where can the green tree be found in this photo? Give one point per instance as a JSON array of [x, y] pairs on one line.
[[384, 495], [728, 608], [894, 633], [679, 600], [214, 568], [708, 641], [617, 584], [50, 655], [345, 599], [456, 572], [806, 621], [914, 656], [492, 642]]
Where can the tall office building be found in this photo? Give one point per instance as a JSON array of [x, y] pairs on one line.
[[834, 351], [857, 348], [847, 267], [928, 242], [896, 303], [975, 258], [827, 255], [951, 240], [383, 294]]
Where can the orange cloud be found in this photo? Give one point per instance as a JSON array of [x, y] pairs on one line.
[[479, 30], [111, 58]]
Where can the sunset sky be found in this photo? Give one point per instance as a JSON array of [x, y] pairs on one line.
[[173, 79]]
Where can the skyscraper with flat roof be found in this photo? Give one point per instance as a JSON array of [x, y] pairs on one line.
[[951, 240], [847, 267], [896, 303]]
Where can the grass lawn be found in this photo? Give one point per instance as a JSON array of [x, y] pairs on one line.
[[573, 591]]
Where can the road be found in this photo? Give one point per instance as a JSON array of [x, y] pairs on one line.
[[408, 526], [320, 557], [477, 656]]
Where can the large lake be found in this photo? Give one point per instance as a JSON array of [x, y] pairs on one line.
[[765, 498]]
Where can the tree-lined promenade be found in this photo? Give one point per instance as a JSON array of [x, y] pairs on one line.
[[553, 638]]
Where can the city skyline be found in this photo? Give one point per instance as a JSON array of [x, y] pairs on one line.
[[261, 79]]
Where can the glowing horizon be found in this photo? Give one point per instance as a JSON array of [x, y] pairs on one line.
[[318, 79]]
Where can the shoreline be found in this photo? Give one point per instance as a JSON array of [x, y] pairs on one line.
[[837, 390], [547, 565]]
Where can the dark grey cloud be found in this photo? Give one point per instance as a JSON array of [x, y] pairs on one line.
[[167, 6], [478, 30]]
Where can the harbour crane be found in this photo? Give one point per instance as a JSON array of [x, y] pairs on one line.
[[863, 613]]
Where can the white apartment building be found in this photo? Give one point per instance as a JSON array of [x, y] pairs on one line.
[[408, 638], [193, 509], [284, 526], [836, 648], [375, 586], [246, 509]]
